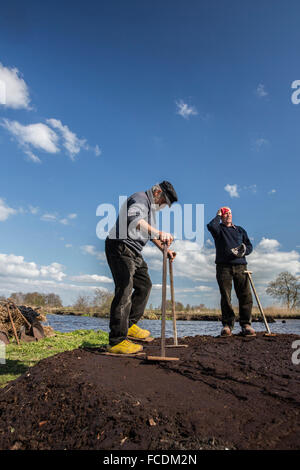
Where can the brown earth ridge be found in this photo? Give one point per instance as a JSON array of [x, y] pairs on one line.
[[234, 393]]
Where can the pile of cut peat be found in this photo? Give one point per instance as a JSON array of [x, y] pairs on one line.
[[235, 393]]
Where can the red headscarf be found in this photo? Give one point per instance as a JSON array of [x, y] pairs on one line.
[[224, 210]]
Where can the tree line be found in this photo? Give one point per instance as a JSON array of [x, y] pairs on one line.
[[35, 299]]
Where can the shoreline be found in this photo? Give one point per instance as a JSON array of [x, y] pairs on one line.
[[271, 318]]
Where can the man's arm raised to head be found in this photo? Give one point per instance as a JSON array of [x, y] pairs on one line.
[[214, 225]]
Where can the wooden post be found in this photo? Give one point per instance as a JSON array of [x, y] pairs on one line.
[[173, 302], [162, 356], [163, 302], [13, 326]]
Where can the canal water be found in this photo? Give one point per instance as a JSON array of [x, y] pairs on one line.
[[67, 323]]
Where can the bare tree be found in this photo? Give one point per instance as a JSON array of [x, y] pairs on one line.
[[18, 297], [286, 288], [34, 299], [102, 299], [82, 302], [53, 300]]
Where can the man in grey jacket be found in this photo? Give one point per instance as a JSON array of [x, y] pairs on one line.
[[123, 247]]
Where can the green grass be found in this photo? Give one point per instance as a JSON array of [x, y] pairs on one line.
[[20, 358]]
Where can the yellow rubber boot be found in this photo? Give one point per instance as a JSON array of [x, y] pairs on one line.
[[125, 347], [137, 332]]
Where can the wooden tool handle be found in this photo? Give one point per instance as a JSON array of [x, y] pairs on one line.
[[13, 325], [258, 301], [173, 301], [163, 301]]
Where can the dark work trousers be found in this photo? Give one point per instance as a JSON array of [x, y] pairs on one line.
[[226, 273], [130, 272]]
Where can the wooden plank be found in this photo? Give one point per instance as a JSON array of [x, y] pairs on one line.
[[161, 358]]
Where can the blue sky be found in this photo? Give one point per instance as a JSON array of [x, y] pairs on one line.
[[93, 98]]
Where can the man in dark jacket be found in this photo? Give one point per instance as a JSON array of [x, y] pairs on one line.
[[232, 246], [123, 247]]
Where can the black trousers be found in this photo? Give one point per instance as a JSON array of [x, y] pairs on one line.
[[132, 288], [226, 273]]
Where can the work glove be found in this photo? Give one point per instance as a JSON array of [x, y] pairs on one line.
[[239, 251]]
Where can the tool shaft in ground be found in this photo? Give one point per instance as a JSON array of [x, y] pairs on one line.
[[163, 302], [173, 302], [258, 301]]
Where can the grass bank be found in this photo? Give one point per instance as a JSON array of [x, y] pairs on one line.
[[20, 358]]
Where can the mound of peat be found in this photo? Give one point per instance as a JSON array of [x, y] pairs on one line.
[[235, 393]]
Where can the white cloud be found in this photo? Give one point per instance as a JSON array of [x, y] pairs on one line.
[[33, 210], [16, 93], [15, 266], [12, 265], [252, 188], [49, 217], [32, 157], [37, 135], [260, 143], [91, 250], [273, 191], [184, 110], [203, 288], [64, 221], [232, 190], [68, 245], [97, 151], [19, 275], [195, 289], [191, 261], [5, 211], [267, 261], [267, 244], [71, 142], [54, 270], [261, 91], [41, 137], [91, 278]]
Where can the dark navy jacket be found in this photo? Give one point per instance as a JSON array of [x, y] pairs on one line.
[[227, 238]]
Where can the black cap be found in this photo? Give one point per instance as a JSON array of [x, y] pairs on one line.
[[169, 192]]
